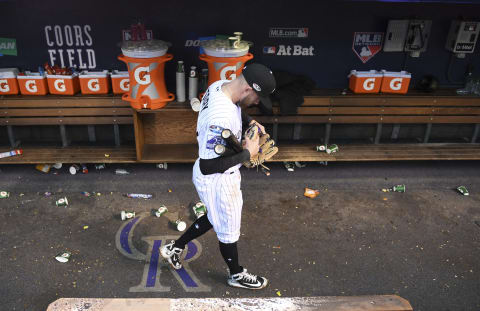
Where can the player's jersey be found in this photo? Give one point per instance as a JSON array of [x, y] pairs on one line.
[[218, 112]]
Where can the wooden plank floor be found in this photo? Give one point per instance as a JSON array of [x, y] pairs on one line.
[[188, 153]]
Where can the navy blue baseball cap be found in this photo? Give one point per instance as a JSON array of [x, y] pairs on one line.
[[261, 79]]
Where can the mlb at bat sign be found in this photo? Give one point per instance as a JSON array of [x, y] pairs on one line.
[[367, 44], [289, 50]]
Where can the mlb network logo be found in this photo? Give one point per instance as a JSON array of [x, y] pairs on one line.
[[269, 50]]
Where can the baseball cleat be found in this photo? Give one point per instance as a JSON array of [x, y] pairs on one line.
[[247, 280], [172, 254]]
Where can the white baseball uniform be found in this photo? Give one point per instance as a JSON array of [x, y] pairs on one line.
[[220, 193]]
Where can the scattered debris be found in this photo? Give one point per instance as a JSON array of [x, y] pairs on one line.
[[300, 164], [11, 153], [107, 155], [179, 224], [62, 202], [266, 171], [397, 188], [74, 168], [121, 171], [289, 166], [45, 168], [57, 166], [463, 190], [127, 215], [86, 193], [169, 190], [327, 148], [279, 294], [4, 194], [311, 193], [163, 165], [63, 257], [332, 149], [199, 209], [100, 166], [139, 196], [323, 163], [84, 169], [160, 211], [85, 227], [47, 194]]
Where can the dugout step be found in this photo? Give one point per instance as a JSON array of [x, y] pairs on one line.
[[323, 303]]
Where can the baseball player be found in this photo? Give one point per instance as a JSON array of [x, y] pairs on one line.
[[217, 179]]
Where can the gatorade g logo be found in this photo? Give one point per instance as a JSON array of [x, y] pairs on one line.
[[93, 85], [142, 75], [4, 87], [396, 84], [124, 85], [227, 69], [59, 84], [31, 86], [369, 84]]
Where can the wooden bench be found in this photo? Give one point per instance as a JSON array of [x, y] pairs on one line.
[[63, 111], [331, 107], [169, 134]]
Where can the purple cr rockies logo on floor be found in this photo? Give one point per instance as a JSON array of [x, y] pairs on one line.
[[153, 262]]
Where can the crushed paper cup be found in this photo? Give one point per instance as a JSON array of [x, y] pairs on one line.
[[311, 193]]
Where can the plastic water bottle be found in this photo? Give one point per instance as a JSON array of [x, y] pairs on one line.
[[193, 83], [204, 80], [180, 82]]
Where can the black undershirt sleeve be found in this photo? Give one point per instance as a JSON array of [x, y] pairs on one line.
[[246, 119], [221, 164]]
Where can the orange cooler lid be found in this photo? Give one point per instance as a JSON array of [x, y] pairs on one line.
[[8, 73], [31, 75], [94, 74], [119, 74], [63, 76], [397, 74], [366, 74]]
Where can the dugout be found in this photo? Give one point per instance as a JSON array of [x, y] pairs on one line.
[[323, 41]]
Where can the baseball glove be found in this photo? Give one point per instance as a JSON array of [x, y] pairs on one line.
[[267, 147]]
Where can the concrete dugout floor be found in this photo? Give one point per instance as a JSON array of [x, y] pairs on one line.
[[353, 239]]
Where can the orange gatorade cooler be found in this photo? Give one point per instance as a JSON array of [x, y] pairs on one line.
[[32, 83], [225, 57], [63, 84], [395, 82], [95, 82], [146, 63], [120, 82], [8, 81], [365, 81]]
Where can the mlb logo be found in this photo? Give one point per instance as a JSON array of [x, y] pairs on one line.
[[269, 50], [303, 33]]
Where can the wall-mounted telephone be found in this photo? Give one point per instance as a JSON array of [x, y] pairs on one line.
[[462, 37], [408, 35]]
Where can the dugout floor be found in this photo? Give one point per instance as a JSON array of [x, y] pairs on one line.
[[353, 239]]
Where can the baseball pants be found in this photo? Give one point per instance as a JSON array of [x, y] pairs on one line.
[[222, 196]]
